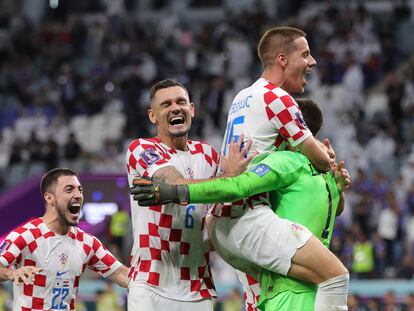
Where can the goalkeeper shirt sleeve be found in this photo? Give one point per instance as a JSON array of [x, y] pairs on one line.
[[260, 179]]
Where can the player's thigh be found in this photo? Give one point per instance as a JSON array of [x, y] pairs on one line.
[[270, 241], [315, 257], [146, 300], [222, 235], [290, 301]]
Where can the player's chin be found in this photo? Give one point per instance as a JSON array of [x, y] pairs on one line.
[[178, 132]]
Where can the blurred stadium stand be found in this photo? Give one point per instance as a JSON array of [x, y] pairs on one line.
[[74, 82]]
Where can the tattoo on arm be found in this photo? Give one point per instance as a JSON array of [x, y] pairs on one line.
[[168, 174]]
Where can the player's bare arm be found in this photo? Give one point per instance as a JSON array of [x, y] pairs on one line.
[[120, 276], [313, 150], [22, 274]]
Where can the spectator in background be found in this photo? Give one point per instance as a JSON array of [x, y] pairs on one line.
[[363, 257], [118, 227], [107, 300], [354, 303], [72, 149], [390, 302], [5, 299], [235, 301], [409, 302]]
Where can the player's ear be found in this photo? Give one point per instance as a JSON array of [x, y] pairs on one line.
[[49, 198], [282, 60], [192, 107], [151, 116]]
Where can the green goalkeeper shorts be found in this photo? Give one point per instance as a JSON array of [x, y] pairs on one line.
[[290, 301]]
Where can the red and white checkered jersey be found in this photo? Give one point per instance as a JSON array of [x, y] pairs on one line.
[[63, 259], [271, 119], [170, 255], [251, 289], [267, 115]]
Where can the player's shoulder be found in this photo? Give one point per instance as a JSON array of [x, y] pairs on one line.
[[144, 143], [204, 148], [29, 225], [285, 162]]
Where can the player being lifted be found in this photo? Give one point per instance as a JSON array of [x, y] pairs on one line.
[[267, 114]]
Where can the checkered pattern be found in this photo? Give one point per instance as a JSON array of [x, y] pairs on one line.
[[272, 120], [170, 253], [62, 258], [251, 289]]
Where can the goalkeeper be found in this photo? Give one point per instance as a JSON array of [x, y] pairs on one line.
[[292, 181]]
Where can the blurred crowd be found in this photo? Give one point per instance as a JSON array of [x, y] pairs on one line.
[[74, 91]]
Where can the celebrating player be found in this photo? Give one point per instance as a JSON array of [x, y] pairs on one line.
[[50, 253], [170, 257]]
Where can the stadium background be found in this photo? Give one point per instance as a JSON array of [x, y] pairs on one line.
[[74, 82]]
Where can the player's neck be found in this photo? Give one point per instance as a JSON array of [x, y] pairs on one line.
[[274, 76], [178, 143], [53, 223]]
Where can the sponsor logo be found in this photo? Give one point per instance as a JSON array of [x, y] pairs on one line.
[[300, 121], [261, 169], [3, 247], [149, 156], [58, 273]]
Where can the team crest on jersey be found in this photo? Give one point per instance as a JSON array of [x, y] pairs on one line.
[[190, 173], [149, 156], [63, 258], [299, 120], [261, 169], [3, 247]]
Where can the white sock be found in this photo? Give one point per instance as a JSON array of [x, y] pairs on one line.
[[332, 294]]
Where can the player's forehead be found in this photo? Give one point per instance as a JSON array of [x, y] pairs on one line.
[[301, 45], [66, 181], [172, 93]]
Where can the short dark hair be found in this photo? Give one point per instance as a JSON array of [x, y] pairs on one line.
[[164, 84], [312, 114], [51, 177], [277, 40]]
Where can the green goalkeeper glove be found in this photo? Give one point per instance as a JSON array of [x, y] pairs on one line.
[[149, 191]]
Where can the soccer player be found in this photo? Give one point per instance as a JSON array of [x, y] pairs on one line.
[[170, 268], [49, 254], [315, 208], [297, 184]]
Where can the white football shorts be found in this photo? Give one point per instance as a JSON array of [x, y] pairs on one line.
[[259, 239]]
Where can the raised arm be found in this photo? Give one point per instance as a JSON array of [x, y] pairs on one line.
[[260, 179], [313, 150]]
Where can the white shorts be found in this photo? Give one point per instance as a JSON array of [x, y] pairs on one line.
[[140, 298], [257, 240]]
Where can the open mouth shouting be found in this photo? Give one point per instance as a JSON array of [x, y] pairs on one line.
[[176, 121], [74, 209]]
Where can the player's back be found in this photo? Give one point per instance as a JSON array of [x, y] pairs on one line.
[[267, 115]]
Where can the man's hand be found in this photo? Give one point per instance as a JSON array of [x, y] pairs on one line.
[[342, 177], [24, 274], [148, 191], [237, 160], [331, 153]]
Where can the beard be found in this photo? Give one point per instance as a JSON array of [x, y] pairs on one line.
[[62, 216]]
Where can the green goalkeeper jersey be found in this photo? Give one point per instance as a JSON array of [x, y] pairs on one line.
[[298, 192]]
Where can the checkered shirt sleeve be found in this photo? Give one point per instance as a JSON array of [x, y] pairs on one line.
[[15, 242], [145, 156], [251, 288], [99, 258], [282, 110]]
